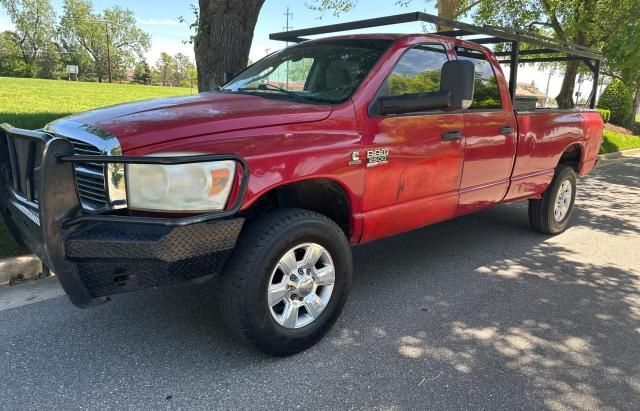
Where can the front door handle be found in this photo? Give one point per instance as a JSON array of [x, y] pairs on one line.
[[452, 135], [506, 130]]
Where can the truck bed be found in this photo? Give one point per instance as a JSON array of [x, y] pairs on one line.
[[543, 136]]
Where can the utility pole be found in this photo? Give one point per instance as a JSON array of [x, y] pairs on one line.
[[106, 27], [546, 93], [287, 27], [578, 93]]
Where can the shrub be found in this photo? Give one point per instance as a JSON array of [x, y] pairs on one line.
[[618, 98], [605, 114]]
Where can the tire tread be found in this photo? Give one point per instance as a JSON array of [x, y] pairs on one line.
[[251, 244], [540, 210]]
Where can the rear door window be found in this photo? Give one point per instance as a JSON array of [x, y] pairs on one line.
[[486, 93]]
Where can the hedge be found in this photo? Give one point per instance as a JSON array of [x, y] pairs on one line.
[[618, 98], [605, 114]]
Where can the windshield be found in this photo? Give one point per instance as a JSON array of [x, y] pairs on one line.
[[326, 71]]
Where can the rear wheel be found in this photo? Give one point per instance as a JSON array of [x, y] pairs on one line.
[[551, 213], [287, 281]]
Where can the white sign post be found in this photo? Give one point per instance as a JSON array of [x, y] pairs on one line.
[[72, 70]]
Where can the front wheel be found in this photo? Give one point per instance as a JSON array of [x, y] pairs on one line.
[[551, 213], [287, 281]]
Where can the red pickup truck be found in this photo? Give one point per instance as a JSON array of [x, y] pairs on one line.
[[266, 182]]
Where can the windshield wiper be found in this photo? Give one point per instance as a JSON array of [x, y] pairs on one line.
[[271, 87]]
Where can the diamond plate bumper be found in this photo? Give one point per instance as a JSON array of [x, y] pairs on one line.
[[115, 258], [98, 255]]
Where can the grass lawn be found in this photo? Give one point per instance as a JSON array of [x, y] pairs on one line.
[[8, 247], [617, 142], [32, 103]]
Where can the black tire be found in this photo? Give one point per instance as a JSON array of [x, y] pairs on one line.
[[541, 212], [243, 286]]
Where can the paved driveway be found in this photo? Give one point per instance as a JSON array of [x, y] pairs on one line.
[[479, 312]]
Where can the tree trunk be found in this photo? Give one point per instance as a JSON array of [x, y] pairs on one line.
[[223, 42], [565, 97], [98, 67], [447, 9]]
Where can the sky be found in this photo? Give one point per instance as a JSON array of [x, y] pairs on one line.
[[160, 18]]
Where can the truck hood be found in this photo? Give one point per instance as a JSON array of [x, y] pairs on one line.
[[160, 120]]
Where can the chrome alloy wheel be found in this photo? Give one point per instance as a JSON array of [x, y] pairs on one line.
[[563, 201], [301, 285]]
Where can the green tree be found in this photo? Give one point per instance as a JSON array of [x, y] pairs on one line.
[[192, 76], [113, 33], [590, 23], [142, 73], [165, 67], [34, 27], [11, 62], [617, 98], [183, 70], [623, 57], [49, 63], [424, 82]]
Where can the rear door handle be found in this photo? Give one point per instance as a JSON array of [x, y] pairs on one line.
[[452, 135], [506, 130]]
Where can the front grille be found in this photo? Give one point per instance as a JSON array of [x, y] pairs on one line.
[[90, 177]]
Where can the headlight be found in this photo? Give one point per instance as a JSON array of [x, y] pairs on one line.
[[180, 187]]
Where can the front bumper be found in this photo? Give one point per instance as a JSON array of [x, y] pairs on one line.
[[99, 254], [116, 258]]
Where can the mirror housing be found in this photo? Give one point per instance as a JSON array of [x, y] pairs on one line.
[[456, 92], [414, 103], [458, 77]]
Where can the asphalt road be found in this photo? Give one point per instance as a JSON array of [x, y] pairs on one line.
[[479, 312]]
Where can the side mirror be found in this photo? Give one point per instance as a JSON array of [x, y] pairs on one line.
[[458, 77], [414, 103], [456, 92]]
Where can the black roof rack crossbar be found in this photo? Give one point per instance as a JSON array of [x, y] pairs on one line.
[[489, 40], [527, 52], [543, 51], [352, 25], [458, 28], [543, 38], [546, 60], [455, 33]]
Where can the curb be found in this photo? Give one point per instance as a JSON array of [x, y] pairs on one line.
[[21, 268], [618, 154]]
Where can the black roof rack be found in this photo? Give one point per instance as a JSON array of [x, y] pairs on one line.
[[544, 49]]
